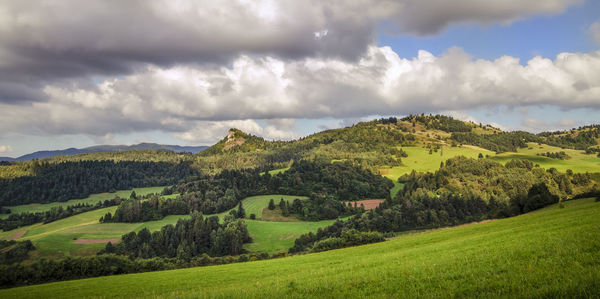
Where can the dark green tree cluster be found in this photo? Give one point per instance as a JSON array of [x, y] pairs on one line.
[[14, 251], [341, 181], [188, 238], [337, 235], [69, 180], [580, 138], [55, 213], [319, 207], [348, 237], [147, 208], [68, 268], [497, 142], [556, 155]]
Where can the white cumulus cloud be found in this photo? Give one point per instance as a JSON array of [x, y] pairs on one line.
[[197, 101], [5, 149]]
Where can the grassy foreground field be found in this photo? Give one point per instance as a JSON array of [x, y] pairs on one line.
[[548, 253]]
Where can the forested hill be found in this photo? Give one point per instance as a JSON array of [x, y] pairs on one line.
[[373, 144], [378, 142]]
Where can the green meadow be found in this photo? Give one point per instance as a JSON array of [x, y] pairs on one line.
[[579, 161], [92, 199], [278, 171], [551, 252], [420, 160], [256, 204]]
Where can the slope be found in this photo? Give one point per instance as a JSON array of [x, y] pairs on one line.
[[548, 253]]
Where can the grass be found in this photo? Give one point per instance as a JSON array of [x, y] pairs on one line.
[[579, 162], [397, 187], [278, 171], [420, 160], [548, 253], [273, 237], [55, 239], [92, 199], [256, 204]]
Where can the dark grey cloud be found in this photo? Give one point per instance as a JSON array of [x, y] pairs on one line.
[[427, 17]]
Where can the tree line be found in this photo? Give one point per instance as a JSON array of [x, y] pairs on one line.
[[188, 238], [556, 155], [58, 182], [68, 268]]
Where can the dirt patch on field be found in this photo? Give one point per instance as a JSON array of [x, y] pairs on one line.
[[96, 241], [17, 235], [384, 171], [276, 216], [369, 204]]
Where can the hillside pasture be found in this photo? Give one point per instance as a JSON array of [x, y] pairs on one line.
[[92, 200], [579, 161], [420, 160]]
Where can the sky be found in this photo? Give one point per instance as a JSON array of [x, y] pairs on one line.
[[82, 73]]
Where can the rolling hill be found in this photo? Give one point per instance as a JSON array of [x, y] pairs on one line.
[[552, 252]]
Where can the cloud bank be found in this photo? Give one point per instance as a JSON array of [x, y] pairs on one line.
[[187, 99]]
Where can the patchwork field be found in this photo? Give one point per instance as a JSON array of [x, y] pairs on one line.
[[547, 253], [71, 236]]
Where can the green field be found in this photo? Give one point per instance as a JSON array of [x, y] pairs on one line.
[[56, 239], [278, 171], [579, 162], [256, 204], [92, 199], [547, 253], [420, 160], [274, 237]]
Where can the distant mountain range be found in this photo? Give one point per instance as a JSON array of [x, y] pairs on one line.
[[107, 148]]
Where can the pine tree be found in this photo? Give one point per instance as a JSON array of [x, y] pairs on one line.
[[272, 204], [241, 213]]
